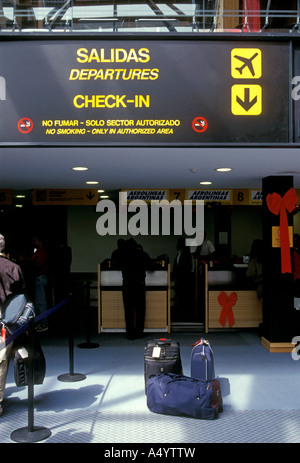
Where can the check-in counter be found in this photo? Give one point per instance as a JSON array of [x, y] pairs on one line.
[[230, 302], [111, 316]]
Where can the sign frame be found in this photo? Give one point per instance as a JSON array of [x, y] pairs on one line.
[[231, 41]]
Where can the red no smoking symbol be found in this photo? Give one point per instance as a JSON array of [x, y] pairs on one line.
[[199, 124], [25, 125]]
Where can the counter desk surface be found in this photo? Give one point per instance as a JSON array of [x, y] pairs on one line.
[[113, 278], [110, 301], [231, 302]]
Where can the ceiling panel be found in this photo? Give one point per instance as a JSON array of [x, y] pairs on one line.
[[116, 168]]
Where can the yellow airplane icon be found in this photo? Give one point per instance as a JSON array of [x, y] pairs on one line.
[[246, 63]]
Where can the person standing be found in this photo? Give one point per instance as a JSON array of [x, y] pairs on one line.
[[11, 282], [116, 256], [133, 263], [206, 251], [40, 267]]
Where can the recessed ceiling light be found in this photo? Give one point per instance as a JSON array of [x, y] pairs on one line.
[[205, 183], [104, 196], [20, 196], [101, 191], [92, 182], [80, 168], [223, 169]]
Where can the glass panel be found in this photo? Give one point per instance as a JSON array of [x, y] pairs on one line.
[[149, 16]]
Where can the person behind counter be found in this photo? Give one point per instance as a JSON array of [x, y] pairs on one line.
[[133, 261], [206, 250]]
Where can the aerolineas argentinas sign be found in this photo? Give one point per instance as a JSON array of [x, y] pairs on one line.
[[140, 218]]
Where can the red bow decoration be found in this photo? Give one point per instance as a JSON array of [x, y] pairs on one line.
[[227, 302], [278, 205]]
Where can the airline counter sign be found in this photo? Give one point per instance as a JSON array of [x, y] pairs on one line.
[[61, 197], [144, 195], [256, 197], [237, 197], [133, 92], [220, 196]]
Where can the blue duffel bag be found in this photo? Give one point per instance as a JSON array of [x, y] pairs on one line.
[[180, 395]]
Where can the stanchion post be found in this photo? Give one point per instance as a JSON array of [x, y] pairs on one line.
[[71, 376], [88, 344], [30, 433]]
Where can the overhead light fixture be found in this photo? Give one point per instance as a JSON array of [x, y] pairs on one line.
[[20, 196], [101, 191], [205, 183], [223, 169], [80, 168], [104, 196], [92, 182]]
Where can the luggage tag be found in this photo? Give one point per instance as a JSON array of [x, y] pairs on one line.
[[23, 353], [156, 352]]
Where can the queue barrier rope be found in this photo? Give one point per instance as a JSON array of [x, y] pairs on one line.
[[36, 320]]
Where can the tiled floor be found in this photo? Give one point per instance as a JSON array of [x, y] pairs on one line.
[[260, 392]]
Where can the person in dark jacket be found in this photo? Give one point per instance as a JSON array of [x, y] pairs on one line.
[[116, 256], [11, 282], [134, 262]]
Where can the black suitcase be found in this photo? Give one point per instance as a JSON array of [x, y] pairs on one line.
[[162, 356]]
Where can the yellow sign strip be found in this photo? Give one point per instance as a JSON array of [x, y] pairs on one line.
[[62, 197]]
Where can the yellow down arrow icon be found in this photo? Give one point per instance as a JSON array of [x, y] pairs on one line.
[[246, 100]]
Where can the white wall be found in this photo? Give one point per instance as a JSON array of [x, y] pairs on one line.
[[246, 226], [89, 249]]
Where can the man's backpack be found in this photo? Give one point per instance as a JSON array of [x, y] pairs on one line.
[[16, 312]]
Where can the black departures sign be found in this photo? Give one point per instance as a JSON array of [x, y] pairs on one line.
[[144, 92]]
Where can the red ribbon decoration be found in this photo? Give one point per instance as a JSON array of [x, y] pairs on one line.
[[227, 302], [278, 205]]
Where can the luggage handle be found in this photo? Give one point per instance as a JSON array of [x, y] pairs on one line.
[[201, 341], [185, 378], [163, 341]]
